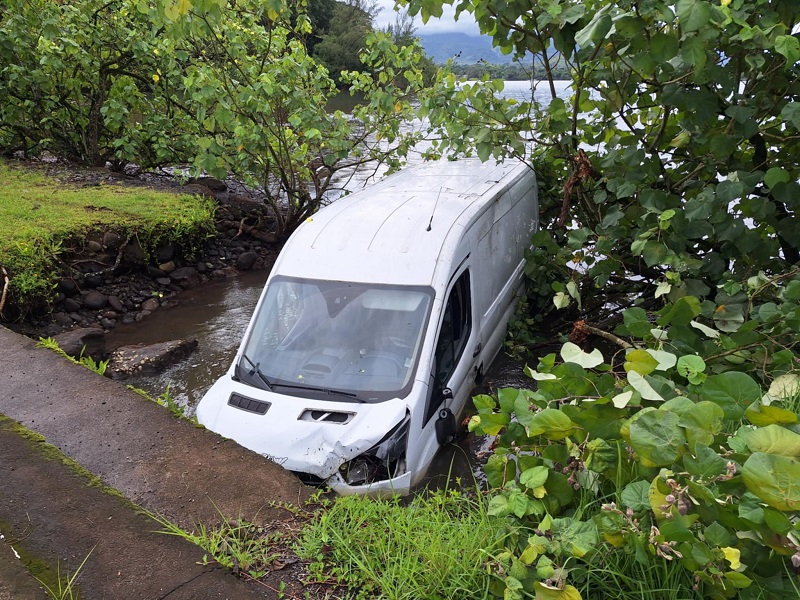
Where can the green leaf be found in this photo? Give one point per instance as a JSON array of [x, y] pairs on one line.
[[596, 30], [657, 438], [552, 424], [773, 478], [572, 353], [636, 322], [534, 477], [694, 15], [789, 47], [640, 361], [681, 312], [716, 535], [791, 114], [763, 414], [774, 439], [642, 385], [691, 367], [706, 463], [776, 175], [732, 391], [636, 495]]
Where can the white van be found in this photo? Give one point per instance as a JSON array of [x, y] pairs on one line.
[[377, 318]]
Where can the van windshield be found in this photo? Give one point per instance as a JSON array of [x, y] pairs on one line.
[[336, 340]]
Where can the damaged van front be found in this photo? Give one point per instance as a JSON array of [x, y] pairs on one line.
[[321, 384], [380, 313]]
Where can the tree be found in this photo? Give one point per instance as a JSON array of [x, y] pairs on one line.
[[670, 191], [675, 162], [228, 87]]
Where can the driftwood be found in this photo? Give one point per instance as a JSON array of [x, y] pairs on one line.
[[251, 230]]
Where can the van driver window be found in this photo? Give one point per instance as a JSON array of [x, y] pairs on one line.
[[456, 327]]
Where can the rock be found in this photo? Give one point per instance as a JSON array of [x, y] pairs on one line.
[[93, 246], [165, 253], [95, 300], [142, 314], [109, 314], [163, 281], [89, 340], [133, 252], [62, 319], [148, 359], [240, 206], [108, 323], [115, 303], [197, 190], [71, 305], [68, 287], [167, 267], [93, 281], [150, 304], [201, 267], [112, 240], [185, 277], [212, 183], [246, 261]]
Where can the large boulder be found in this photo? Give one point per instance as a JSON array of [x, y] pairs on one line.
[[150, 359], [86, 341]]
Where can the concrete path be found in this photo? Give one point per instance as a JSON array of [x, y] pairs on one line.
[[54, 512]]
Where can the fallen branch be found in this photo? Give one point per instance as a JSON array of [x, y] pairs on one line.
[[585, 328]]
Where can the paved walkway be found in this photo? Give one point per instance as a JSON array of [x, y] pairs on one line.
[[54, 512]]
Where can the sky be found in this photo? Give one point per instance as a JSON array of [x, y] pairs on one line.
[[446, 24]]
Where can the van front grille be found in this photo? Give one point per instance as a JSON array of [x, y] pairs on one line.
[[254, 406]]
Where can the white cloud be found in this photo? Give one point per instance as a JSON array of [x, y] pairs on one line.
[[446, 24]]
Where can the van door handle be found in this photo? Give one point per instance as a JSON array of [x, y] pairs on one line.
[[477, 350]]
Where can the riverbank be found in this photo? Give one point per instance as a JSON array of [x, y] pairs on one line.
[[81, 457], [104, 269]]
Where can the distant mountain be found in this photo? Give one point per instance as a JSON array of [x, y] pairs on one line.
[[467, 48]]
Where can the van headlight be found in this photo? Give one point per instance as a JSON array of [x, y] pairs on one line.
[[384, 460]]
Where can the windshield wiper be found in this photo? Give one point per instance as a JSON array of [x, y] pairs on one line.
[[256, 370], [312, 388]]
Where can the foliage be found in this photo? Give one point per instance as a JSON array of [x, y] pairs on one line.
[[236, 544], [81, 81], [261, 101], [226, 86], [345, 39], [42, 221], [66, 586], [166, 400], [683, 448], [677, 157], [436, 547], [87, 361]]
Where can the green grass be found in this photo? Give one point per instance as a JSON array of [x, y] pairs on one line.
[[42, 219], [440, 546]]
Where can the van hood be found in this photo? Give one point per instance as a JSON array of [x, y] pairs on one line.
[[300, 434]]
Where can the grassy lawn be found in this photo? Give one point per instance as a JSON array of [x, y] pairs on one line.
[[41, 218]]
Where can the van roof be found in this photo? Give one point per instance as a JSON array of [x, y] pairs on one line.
[[381, 233]]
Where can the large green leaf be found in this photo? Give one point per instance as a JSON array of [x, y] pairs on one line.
[[657, 438], [552, 424], [774, 439], [732, 391], [774, 479]]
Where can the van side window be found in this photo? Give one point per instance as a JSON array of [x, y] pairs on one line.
[[453, 335]]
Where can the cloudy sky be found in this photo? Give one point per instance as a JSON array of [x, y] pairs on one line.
[[446, 24]]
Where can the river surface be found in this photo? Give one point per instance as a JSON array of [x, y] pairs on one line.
[[216, 314]]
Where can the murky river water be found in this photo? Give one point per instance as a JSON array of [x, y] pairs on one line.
[[217, 313]]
